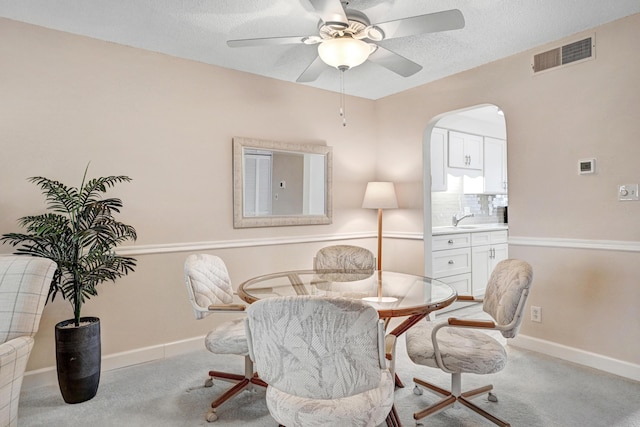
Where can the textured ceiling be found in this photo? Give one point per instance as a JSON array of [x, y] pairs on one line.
[[199, 29]]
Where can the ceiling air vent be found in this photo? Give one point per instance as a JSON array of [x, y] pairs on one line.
[[577, 51]]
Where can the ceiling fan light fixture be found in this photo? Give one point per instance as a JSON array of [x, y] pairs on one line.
[[344, 52]]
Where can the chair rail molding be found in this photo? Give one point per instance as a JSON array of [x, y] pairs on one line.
[[240, 243], [551, 242]]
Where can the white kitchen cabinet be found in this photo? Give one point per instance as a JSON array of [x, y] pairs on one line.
[[451, 255], [487, 250], [450, 241], [465, 260], [465, 151], [495, 166], [451, 260], [461, 283], [438, 160]]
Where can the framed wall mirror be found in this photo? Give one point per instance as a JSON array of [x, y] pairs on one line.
[[280, 183]]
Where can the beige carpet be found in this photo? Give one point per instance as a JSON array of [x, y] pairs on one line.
[[533, 390]]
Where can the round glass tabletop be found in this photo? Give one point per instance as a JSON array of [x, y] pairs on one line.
[[392, 294]]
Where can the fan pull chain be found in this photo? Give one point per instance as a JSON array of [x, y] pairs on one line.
[[343, 113]]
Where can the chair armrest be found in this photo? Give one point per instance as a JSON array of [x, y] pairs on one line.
[[390, 352], [14, 355], [468, 298], [247, 331], [471, 323], [227, 307]]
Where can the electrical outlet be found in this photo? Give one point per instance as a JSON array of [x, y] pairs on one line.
[[536, 314]]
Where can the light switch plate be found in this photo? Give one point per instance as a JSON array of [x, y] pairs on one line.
[[628, 192]]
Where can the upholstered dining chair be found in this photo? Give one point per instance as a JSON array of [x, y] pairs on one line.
[[344, 257], [24, 285], [459, 346], [324, 361], [210, 291]]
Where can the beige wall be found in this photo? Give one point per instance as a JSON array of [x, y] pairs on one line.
[[589, 294], [168, 124]]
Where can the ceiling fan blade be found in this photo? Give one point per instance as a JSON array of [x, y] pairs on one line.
[[313, 71], [267, 41], [394, 62], [331, 12], [429, 23]]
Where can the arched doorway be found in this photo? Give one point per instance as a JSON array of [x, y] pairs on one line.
[[465, 171]]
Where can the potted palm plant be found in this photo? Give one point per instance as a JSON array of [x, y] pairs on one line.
[[79, 233]]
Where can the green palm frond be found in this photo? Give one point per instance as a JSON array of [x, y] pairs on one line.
[[60, 198], [80, 235]]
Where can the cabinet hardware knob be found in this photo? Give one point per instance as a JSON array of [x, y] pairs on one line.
[[450, 261], [450, 241]]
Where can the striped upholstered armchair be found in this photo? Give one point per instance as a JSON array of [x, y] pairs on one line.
[[24, 283]]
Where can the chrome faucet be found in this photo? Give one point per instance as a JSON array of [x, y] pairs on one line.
[[457, 219]]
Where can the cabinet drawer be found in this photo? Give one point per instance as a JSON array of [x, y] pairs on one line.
[[450, 241], [451, 262], [501, 236], [480, 239], [460, 282], [489, 237]]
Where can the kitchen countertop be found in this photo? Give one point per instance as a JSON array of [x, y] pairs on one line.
[[470, 228]]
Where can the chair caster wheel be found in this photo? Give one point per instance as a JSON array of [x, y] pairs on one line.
[[417, 391], [208, 382], [211, 416], [492, 397]]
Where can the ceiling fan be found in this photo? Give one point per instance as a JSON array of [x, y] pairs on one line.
[[346, 38]]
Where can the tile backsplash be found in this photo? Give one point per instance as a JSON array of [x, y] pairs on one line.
[[486, 208]]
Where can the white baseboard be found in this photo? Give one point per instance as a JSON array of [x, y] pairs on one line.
[[49, 376], [580, 357]]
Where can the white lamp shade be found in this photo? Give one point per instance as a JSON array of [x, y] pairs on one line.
[[380, 195], [344, 52]]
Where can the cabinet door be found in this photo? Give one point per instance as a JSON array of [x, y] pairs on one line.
[[500, 252], [481, 263], [462, 284], [495, 166], [465, 151], [457, 157], [438, 162], [474, 148]]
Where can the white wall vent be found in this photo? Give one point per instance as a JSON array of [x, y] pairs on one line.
[[580, 50]]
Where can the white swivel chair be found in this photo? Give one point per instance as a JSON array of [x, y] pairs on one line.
[[24, 285], [459, 346], [344, 257], [324, 361], [210, 291]]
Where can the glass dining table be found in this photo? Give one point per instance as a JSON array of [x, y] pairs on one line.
[[392, 294]]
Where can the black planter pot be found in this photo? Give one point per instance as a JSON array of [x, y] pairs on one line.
[[78, 359]]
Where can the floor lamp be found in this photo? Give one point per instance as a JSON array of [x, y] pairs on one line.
[[380, 195]]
